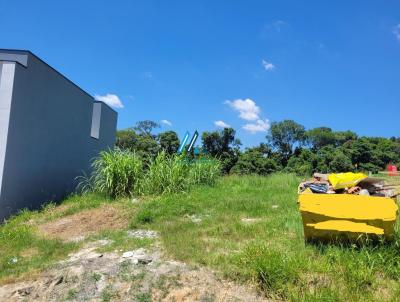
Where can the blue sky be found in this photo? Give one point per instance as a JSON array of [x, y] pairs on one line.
[[200, 64]]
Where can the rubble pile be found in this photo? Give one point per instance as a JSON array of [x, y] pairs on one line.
[[349, 183]]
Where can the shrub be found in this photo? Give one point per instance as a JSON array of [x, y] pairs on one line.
[[256, 161]]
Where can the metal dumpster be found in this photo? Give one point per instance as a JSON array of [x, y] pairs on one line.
[[328, 217]]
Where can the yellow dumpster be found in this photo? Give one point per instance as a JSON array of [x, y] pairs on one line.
[[328, 217]]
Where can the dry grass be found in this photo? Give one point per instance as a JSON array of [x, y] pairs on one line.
[[77, 226]]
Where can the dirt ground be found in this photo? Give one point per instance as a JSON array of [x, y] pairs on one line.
[[139, 275], [75, 227]]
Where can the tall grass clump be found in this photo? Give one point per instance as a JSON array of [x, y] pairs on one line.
[[118, 173], [166, 174], [204, 171], [174, 174]]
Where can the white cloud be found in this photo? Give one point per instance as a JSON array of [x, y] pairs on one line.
[[258, 126], [396, 32], [267, 65], [111, 100], [248, 110], [221, 124], [166, 122]]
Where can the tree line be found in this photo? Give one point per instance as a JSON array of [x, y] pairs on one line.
[[288, 147]]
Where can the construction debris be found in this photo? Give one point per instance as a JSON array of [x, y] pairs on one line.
[[348, 205], [349, 183]]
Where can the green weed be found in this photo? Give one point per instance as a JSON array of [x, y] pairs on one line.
[[143, 297]]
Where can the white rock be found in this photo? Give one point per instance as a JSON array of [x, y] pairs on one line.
[[77, 238], [195, 218], [127, 254], [142, 234]]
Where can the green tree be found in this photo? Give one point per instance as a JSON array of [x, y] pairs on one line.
[[342, 137], [304, 163], [256, 160], [146, 127], [320, 137], [284, 136], [223, 145], [169, 141], [340, 162], [372, 153], [139, 139], [126, 139]]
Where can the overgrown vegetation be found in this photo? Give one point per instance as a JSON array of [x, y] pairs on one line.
[[120, 173], [249, 228], [117, 173], [288, 146]]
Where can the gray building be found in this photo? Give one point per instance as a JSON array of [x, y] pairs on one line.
[[50, 129]]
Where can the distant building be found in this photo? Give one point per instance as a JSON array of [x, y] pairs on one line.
[[50, 129]]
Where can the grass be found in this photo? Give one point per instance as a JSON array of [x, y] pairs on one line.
[[23, 251], [247, 228], [251, 231], [17, 237], [122, 173], [175, 174], [117, 173]]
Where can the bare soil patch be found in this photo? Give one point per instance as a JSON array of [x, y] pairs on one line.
[[75, 227], [146, 275], [203, 285]]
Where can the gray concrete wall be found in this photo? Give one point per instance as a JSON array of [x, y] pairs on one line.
[[6, 87], [49, 138]]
